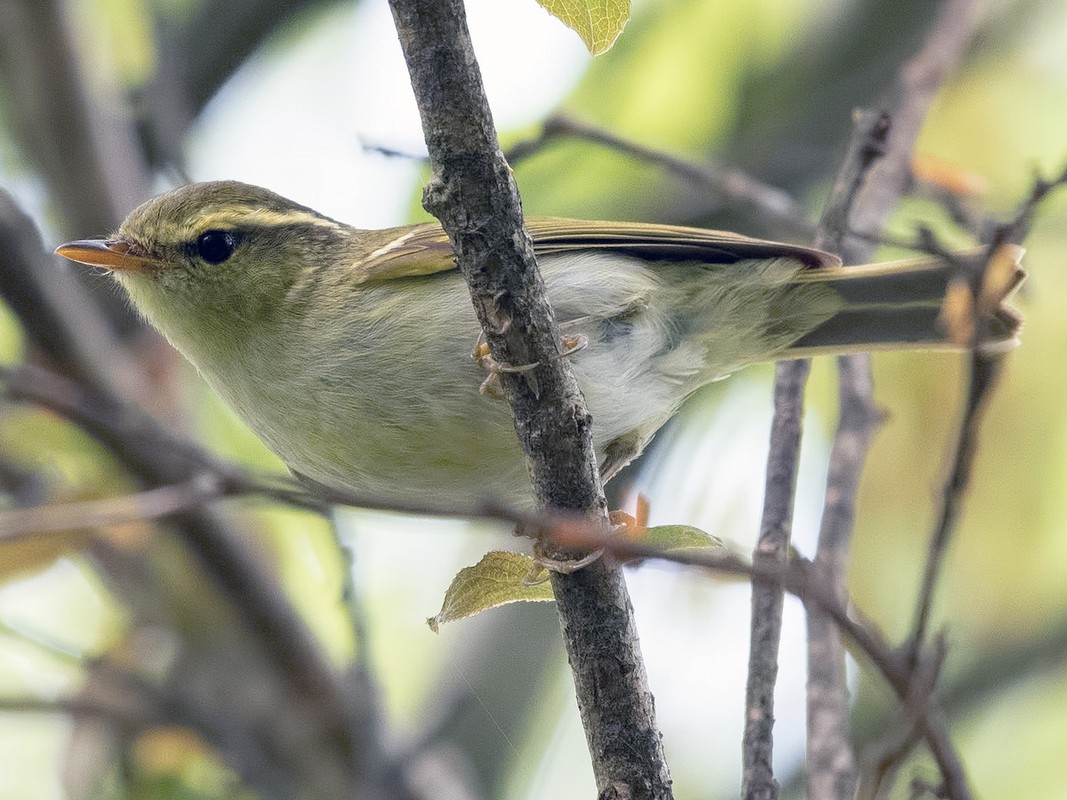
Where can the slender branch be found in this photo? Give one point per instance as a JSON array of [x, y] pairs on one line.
[[831, 769], [773, 541], [983, 375], [772, 548], [731, 186], [473, 193], [984, 372], [157, 503], [831, 765]]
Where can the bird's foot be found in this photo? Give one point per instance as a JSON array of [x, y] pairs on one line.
[[572, 343], [543, 566], [630, 525]]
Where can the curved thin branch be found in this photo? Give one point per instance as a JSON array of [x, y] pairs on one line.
[[730, 186]]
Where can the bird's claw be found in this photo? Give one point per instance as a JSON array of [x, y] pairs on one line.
[[543, 566], [490, 387]]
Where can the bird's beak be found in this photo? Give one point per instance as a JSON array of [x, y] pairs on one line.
[[107, 253]]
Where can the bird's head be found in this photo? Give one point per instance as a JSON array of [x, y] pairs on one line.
[[219, 256]]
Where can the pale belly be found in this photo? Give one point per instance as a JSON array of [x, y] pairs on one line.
[[456, 457], [366, 424]]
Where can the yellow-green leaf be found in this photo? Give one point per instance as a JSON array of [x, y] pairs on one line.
[[680, 537], [598, 22], [499, 578]]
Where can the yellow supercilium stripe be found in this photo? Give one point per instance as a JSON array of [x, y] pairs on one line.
[[238, 217]]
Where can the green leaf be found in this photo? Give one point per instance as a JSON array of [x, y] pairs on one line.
[[499, 578], [679, 537], [598, 22]]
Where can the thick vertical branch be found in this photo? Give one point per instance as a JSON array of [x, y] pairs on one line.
[[473, 194]]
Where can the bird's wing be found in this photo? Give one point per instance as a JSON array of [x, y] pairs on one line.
[[425, 249], [664, 242]]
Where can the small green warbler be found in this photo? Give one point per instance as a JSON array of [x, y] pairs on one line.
[[349, 351]]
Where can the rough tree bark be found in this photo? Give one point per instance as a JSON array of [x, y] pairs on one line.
[[474, 195]]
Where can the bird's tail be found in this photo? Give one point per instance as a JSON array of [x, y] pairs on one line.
[[918, 303]]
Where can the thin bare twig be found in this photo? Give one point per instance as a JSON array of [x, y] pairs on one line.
[[984, 372], [772, 547], [157, 503], [731, 186], [773, 542], [831, 763]]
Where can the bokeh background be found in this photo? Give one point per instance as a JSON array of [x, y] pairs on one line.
[[105, 102]]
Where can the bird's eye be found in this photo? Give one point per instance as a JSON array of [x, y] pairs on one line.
[[216, 246]]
